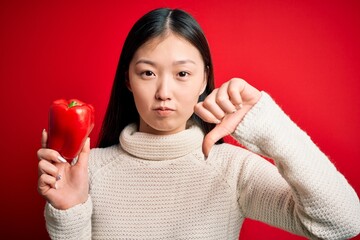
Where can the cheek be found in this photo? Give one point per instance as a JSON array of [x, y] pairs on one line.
[[188, 99], [142, 98]]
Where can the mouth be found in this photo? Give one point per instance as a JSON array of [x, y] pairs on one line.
[[164, 111]]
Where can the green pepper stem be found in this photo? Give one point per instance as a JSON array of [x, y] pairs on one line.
[[72, 104]]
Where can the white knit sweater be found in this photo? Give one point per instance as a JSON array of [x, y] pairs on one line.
[[162, 187]]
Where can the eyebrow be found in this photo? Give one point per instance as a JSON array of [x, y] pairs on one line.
[[145, 62], [179, 62], [184, 62]]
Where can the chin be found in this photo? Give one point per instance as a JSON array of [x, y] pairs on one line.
[[163, 128]]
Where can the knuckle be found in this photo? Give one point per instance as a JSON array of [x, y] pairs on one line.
[[233, 91], [197, 107], [220, 115], [210, 139], [39, 189], [221, 99], [39, 152], [41, 164], [42, 178], [207, 103], [237, 79]]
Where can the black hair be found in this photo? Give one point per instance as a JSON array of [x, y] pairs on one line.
[[121, 109]]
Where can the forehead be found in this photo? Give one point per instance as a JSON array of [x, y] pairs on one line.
[[168, 46]]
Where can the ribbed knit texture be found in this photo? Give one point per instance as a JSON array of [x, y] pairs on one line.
[[162, 187]]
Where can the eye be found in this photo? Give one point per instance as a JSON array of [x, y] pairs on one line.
[[183, 74], [147, 74]]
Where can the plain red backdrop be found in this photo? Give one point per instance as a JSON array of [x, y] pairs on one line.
[[306, 54]]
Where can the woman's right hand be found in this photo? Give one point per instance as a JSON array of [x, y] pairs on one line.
[[61, 184]]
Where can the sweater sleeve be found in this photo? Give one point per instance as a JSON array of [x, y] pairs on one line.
[[73, 223], [309, 196]]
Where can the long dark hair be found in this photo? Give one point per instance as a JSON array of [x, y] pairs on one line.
[[121, 109]]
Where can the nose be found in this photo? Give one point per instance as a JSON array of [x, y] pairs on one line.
[[163, 92]]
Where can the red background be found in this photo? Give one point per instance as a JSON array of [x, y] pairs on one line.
[[306, 54]]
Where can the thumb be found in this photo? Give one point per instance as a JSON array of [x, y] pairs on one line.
[[212, 137], [84, 154], [44, 137]]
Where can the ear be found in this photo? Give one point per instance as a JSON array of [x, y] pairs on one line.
[[203, 87], [127, 81]]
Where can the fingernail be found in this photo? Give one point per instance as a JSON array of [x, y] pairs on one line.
[[55, 186], [240, 105], [61, 159], [217, 121], [58, 177]]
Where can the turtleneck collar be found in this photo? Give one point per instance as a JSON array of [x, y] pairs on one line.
[[160, 147]]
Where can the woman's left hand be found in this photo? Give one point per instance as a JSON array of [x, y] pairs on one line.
[[226, 106]]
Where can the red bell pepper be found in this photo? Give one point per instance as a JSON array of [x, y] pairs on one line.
[[70, 123]]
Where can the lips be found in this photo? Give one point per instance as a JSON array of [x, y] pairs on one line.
[[163, 111]]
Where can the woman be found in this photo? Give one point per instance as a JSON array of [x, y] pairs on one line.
[[162, 170]]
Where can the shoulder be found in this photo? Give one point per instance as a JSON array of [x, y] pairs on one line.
[[229, 159], [227, 152], [101, 157]]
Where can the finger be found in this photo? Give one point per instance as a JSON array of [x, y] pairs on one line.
[[46, 167], [249, 94], [50, 155], [84, 154], [236, 87], [223, 99], [46, 182], [211, 105], [212, 137], [44, 138], [205, 114]]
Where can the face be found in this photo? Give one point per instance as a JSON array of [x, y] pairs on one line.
[[166, 77]]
